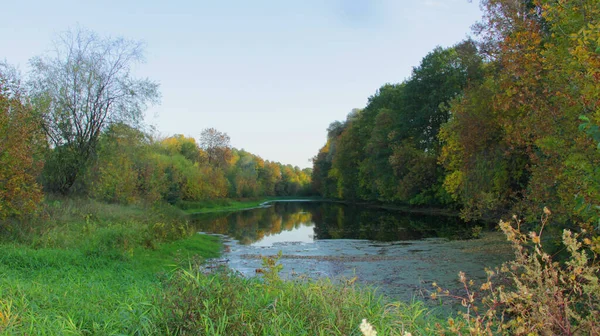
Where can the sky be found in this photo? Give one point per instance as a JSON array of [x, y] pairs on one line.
[[271, 74]]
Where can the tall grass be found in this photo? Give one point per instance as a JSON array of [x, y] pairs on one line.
[[224, 303], [90, 268]]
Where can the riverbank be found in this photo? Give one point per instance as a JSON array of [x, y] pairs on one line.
[[224, 205], [90, 268], [428, 210]]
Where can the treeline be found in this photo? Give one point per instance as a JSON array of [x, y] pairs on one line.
[[74, 127], [131, 166], [504, 124]]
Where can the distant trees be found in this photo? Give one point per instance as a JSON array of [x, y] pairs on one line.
[[77, 128], [251, 176], [388, 150], [81, 88], [216, 145]]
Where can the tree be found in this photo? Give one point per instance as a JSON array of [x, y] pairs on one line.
[[547, 75], [83, 86], [217, 146], [116, 175], [441, 76], [21, 142], [183, 145]]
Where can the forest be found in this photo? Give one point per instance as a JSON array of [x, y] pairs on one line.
[[74, 128], [502, 125]]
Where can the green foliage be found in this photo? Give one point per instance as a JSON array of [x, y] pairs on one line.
[[388, 151], [115, 174], [490, 127], [270, 270], [586, 206]]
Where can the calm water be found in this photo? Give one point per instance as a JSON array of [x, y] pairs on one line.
[[400, 254]]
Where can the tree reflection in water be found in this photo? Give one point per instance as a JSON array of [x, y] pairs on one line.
[[331, 221]]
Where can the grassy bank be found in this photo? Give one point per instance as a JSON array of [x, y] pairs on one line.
[[223, 303], [221, 205], [92, 269], [89, 268]]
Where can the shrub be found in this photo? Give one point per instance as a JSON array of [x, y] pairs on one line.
[[540, 295]]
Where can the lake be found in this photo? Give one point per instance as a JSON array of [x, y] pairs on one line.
[[401, 254]]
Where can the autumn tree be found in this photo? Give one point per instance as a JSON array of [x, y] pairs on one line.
[[548, 76], [81, 87], [120, 169], [185, 146], [485, 174], [217, 146], [21, 144]]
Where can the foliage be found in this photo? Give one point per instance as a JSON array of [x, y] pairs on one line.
[[115, 174], [489, 126], [535, 294], [132, 167], [21, 145], [81, 89], [543, 74], [388, 151], [484, 172]]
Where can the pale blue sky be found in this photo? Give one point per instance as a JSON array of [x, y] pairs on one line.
[[272, 74]]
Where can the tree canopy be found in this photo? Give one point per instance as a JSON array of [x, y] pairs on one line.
[[79, 89]]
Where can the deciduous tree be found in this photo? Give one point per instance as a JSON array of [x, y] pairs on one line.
[[217, 146], [82, 86], [21, 143]]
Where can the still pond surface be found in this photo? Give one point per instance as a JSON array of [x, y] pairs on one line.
[[401, 254]]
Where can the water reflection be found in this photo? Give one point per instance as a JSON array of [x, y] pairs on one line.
[[306, 221]]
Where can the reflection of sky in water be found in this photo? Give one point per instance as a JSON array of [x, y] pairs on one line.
[[399, 253], [303, 234]]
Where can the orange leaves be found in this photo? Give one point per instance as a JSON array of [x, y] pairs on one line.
[[21, 142]]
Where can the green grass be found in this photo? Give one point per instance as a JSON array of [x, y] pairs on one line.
[[68, 290], [222, 303], [92, 268]]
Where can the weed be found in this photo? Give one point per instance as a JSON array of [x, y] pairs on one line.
[[541, 296]]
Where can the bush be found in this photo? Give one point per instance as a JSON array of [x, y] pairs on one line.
[[534, 294]]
